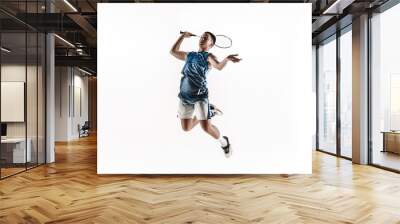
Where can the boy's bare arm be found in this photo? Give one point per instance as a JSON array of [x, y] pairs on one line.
[[175, 48], [220, 65]]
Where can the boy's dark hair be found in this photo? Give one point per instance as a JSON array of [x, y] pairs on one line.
[[212, 36]]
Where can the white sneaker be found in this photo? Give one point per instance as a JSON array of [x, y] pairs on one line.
[[215, 110]]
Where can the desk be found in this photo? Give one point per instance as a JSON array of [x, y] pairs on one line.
[[391, 141], [15, 148]]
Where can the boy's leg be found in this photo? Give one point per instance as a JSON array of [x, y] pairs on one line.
[[202, 110], [214, 132], [210, 128], [203, 113], [189, 124], [195, 122]]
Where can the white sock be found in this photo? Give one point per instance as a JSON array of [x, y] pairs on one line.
[[223, 141]]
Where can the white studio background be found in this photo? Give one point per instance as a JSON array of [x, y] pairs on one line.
[[266, 98]]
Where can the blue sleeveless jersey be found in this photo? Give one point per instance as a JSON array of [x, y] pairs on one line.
[[193, 86]]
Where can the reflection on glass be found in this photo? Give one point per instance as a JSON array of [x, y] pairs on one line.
[[327, 97], [385, 93], [346, 94]]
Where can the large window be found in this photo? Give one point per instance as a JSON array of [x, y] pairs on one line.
[[385, 89], [327, 96], [335, 74], [346, 93]]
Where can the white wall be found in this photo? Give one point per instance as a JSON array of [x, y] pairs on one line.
[[62, 81], [80, 84], [69, 81]]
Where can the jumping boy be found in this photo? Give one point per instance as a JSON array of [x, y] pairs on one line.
[[193, 87]]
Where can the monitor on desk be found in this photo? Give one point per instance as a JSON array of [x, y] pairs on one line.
[[3, 130]]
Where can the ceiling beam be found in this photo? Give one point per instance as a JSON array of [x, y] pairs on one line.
[[84, 24], [320, 22], [337, 6], [84, 61]]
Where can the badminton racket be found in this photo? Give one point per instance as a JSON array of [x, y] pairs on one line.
[[222, 41]]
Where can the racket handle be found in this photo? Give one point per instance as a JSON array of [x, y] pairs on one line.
[[181, 32]]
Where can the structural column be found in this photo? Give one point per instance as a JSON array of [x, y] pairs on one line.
[[360, 90], [50, 92]]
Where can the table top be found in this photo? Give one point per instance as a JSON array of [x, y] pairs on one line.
[[390, 132], [13, 140]]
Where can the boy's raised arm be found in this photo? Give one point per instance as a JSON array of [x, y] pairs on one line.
[[175, 48]]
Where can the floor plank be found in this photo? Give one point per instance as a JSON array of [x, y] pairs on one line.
[[70, 191]]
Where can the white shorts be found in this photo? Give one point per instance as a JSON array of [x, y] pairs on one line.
[[200, 109]]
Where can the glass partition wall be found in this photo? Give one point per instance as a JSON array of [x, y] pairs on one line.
[[22, 91], [334, 75], [13, 89], [385, 90]]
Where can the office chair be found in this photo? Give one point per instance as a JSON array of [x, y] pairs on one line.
[[84, 130]]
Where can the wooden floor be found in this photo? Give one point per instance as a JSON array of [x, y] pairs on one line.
[[5, 172], [70, 191]]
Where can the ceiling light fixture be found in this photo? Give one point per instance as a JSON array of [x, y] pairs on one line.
[[64, 40], [70, 5], [338, 6], [5, 50], [84, 71]]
